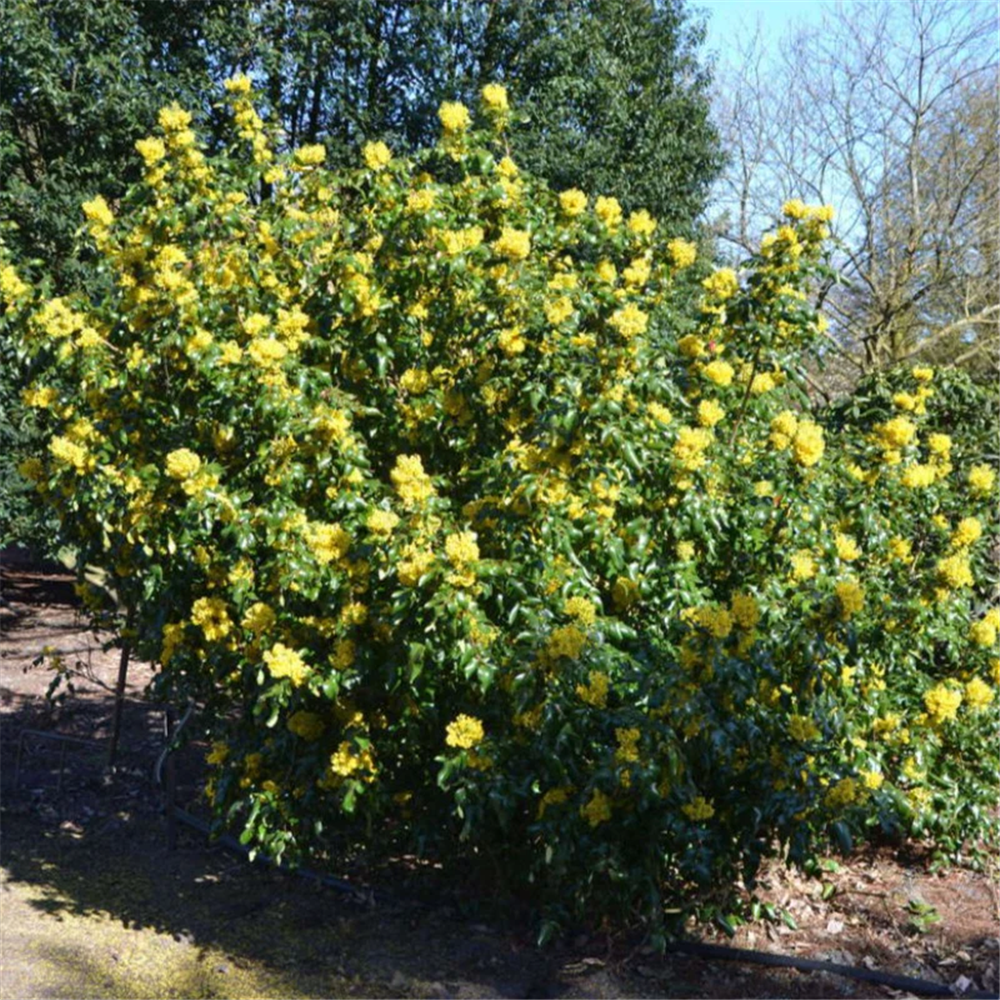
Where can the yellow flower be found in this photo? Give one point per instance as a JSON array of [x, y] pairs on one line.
[[559, 310], [511, 342], [151, 150], [641, 223], [347, 761], [745, 611], [686, 551], [983, 633], [310, 156], [710, 413], [955, 571], [266, 351], [464, 733], [900, 548], [690, 446], [420, 202], [722, 284], [382, 522], [212, 616], [628, 745], [412, 484], [843, 793], [629, 321], [566, 641], [802, 729], [682, 254], [981, 480], [718, 622], [896, 433], [803, 565], [580, 608], [284, 662], [239, 84], [720, 372], [258, 618], [847, 547], [942, 703], [554, 797], [327, 542], [918, 476], [70, 453], [978, 695], [507, 168], [414, 565], [783, 428], [698, 809], [495, 98], [97, 212], [968, 531], [515, 244], [608, 211], [573, 202], [174, 118], [454, 117], [808, 445], [851, 597], [659, 413], [461, 548], [872, 779], [344, 653], [597, 810], [595, 691], [922, 373]]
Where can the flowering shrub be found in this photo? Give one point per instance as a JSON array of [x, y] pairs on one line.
[[484, 517]]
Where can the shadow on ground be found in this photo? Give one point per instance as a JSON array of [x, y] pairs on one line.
[[95, 905]]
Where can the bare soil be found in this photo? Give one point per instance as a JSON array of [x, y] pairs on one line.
[[94, 904]]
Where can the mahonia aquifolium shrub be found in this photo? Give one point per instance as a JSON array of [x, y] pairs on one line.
[[485, 518]]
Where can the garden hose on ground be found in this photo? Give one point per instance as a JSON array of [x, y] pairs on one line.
[[698, 949]]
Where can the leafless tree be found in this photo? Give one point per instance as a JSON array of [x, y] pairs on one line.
[[890, 112]]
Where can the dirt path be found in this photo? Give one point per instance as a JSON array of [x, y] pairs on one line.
[[92, 904]]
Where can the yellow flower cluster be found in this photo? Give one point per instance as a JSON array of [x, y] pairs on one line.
[[698, 809], [843, 793], [327, 542], [597, 810], [942, 703], [803, 729], [567, 641], [377, 156], [494, 97], [514, 244], [284, 662], [955, 571], [580, 608], [595, 691], [851, 597], [454, 117], [412, 484], [629, 321], [465, 732], [212, 615], [348, 762], [573, 202]]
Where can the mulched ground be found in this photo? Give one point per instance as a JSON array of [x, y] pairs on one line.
[[95, 905]]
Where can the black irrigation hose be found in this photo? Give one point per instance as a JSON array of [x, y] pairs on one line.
[[924, 986], [698, 949]]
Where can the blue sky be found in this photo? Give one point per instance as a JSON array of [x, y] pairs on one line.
[[728, 20]]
